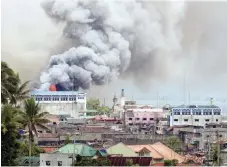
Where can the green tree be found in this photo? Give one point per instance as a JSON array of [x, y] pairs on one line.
[[217, 161], [173, 162], [129, 162], [94, 104], [86, 161], [12, 91], [174, 143], [21, 93], [9, 82], [67, 140], [32, 118], [10, 122], [24, 149]]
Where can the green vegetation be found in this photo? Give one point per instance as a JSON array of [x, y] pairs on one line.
[[9, 129], [94, 104], [217, 161], [174, 143], [67, 140], [129, 162], [86, 161], [14, 117], [170, 162]]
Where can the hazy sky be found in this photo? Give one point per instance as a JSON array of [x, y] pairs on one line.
[[29, 37]]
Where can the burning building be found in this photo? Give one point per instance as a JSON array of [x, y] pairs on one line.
[[58, 101]]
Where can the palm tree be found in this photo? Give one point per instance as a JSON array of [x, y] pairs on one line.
[[33, 118], [10, 123], [9, 82], [21, 93]]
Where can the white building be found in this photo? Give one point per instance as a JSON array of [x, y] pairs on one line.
[[61, 102], [55, 159], [195, 115]]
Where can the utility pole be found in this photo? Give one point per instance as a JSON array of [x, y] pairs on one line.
[[218, 148]]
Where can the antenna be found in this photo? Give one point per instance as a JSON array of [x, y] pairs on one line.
[[184, 87], [189, 98]]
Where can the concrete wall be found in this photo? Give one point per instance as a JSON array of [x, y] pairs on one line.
[[54, 159]]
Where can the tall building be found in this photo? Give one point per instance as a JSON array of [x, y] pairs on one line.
[[195, 115], [61, 102]]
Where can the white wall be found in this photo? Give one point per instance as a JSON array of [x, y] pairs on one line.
[[54, 158]]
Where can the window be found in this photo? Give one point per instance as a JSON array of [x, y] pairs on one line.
[[220, 135], [59, 163], [216, 120], [196, 120], [47, 163], [207, 120], [141, 154], [175, 120], [130, 119], [144, 119], [151, 119], [137, 119], [185, 120], [176, 113], [217, 113], [198, 113], [130, 124]]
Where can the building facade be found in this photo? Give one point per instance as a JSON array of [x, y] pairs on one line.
[[61, 102], [195, 115], [144, 115], [55, 159]]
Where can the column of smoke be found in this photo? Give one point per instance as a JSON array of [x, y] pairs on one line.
[[110, 38]]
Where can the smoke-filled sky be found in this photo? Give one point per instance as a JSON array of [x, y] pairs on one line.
[[145, 46]]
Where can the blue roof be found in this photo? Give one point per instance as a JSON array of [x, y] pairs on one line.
[[38, 92]]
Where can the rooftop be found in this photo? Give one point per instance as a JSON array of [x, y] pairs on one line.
[[39, 92], [77, 148], [197, 106]]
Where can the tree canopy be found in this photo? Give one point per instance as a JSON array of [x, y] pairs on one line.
[[174, 143], [94, 104], [14, 117]]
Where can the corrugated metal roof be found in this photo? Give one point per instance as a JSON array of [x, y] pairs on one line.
[[155, 154], [81, 149], [166, 152]]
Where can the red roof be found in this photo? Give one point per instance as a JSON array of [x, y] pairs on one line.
[[48, 149], [121, 161]]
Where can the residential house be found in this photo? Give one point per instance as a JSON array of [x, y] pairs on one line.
[[139, 149], [55, 159], [158, 151], [121, 149], [63, 156]]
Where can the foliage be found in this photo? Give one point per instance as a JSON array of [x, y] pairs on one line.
[[94, 104], [174, 143], [32, 117], [9, 81], [12, 90], [35, 151], [9, 129], [67, 140], [129, 162], [86, 161], [214, 153], [170, 162]]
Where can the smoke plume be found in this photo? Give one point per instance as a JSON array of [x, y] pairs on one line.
[[109, 39]]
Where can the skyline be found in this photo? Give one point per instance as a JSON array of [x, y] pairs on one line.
[[28, 48]]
